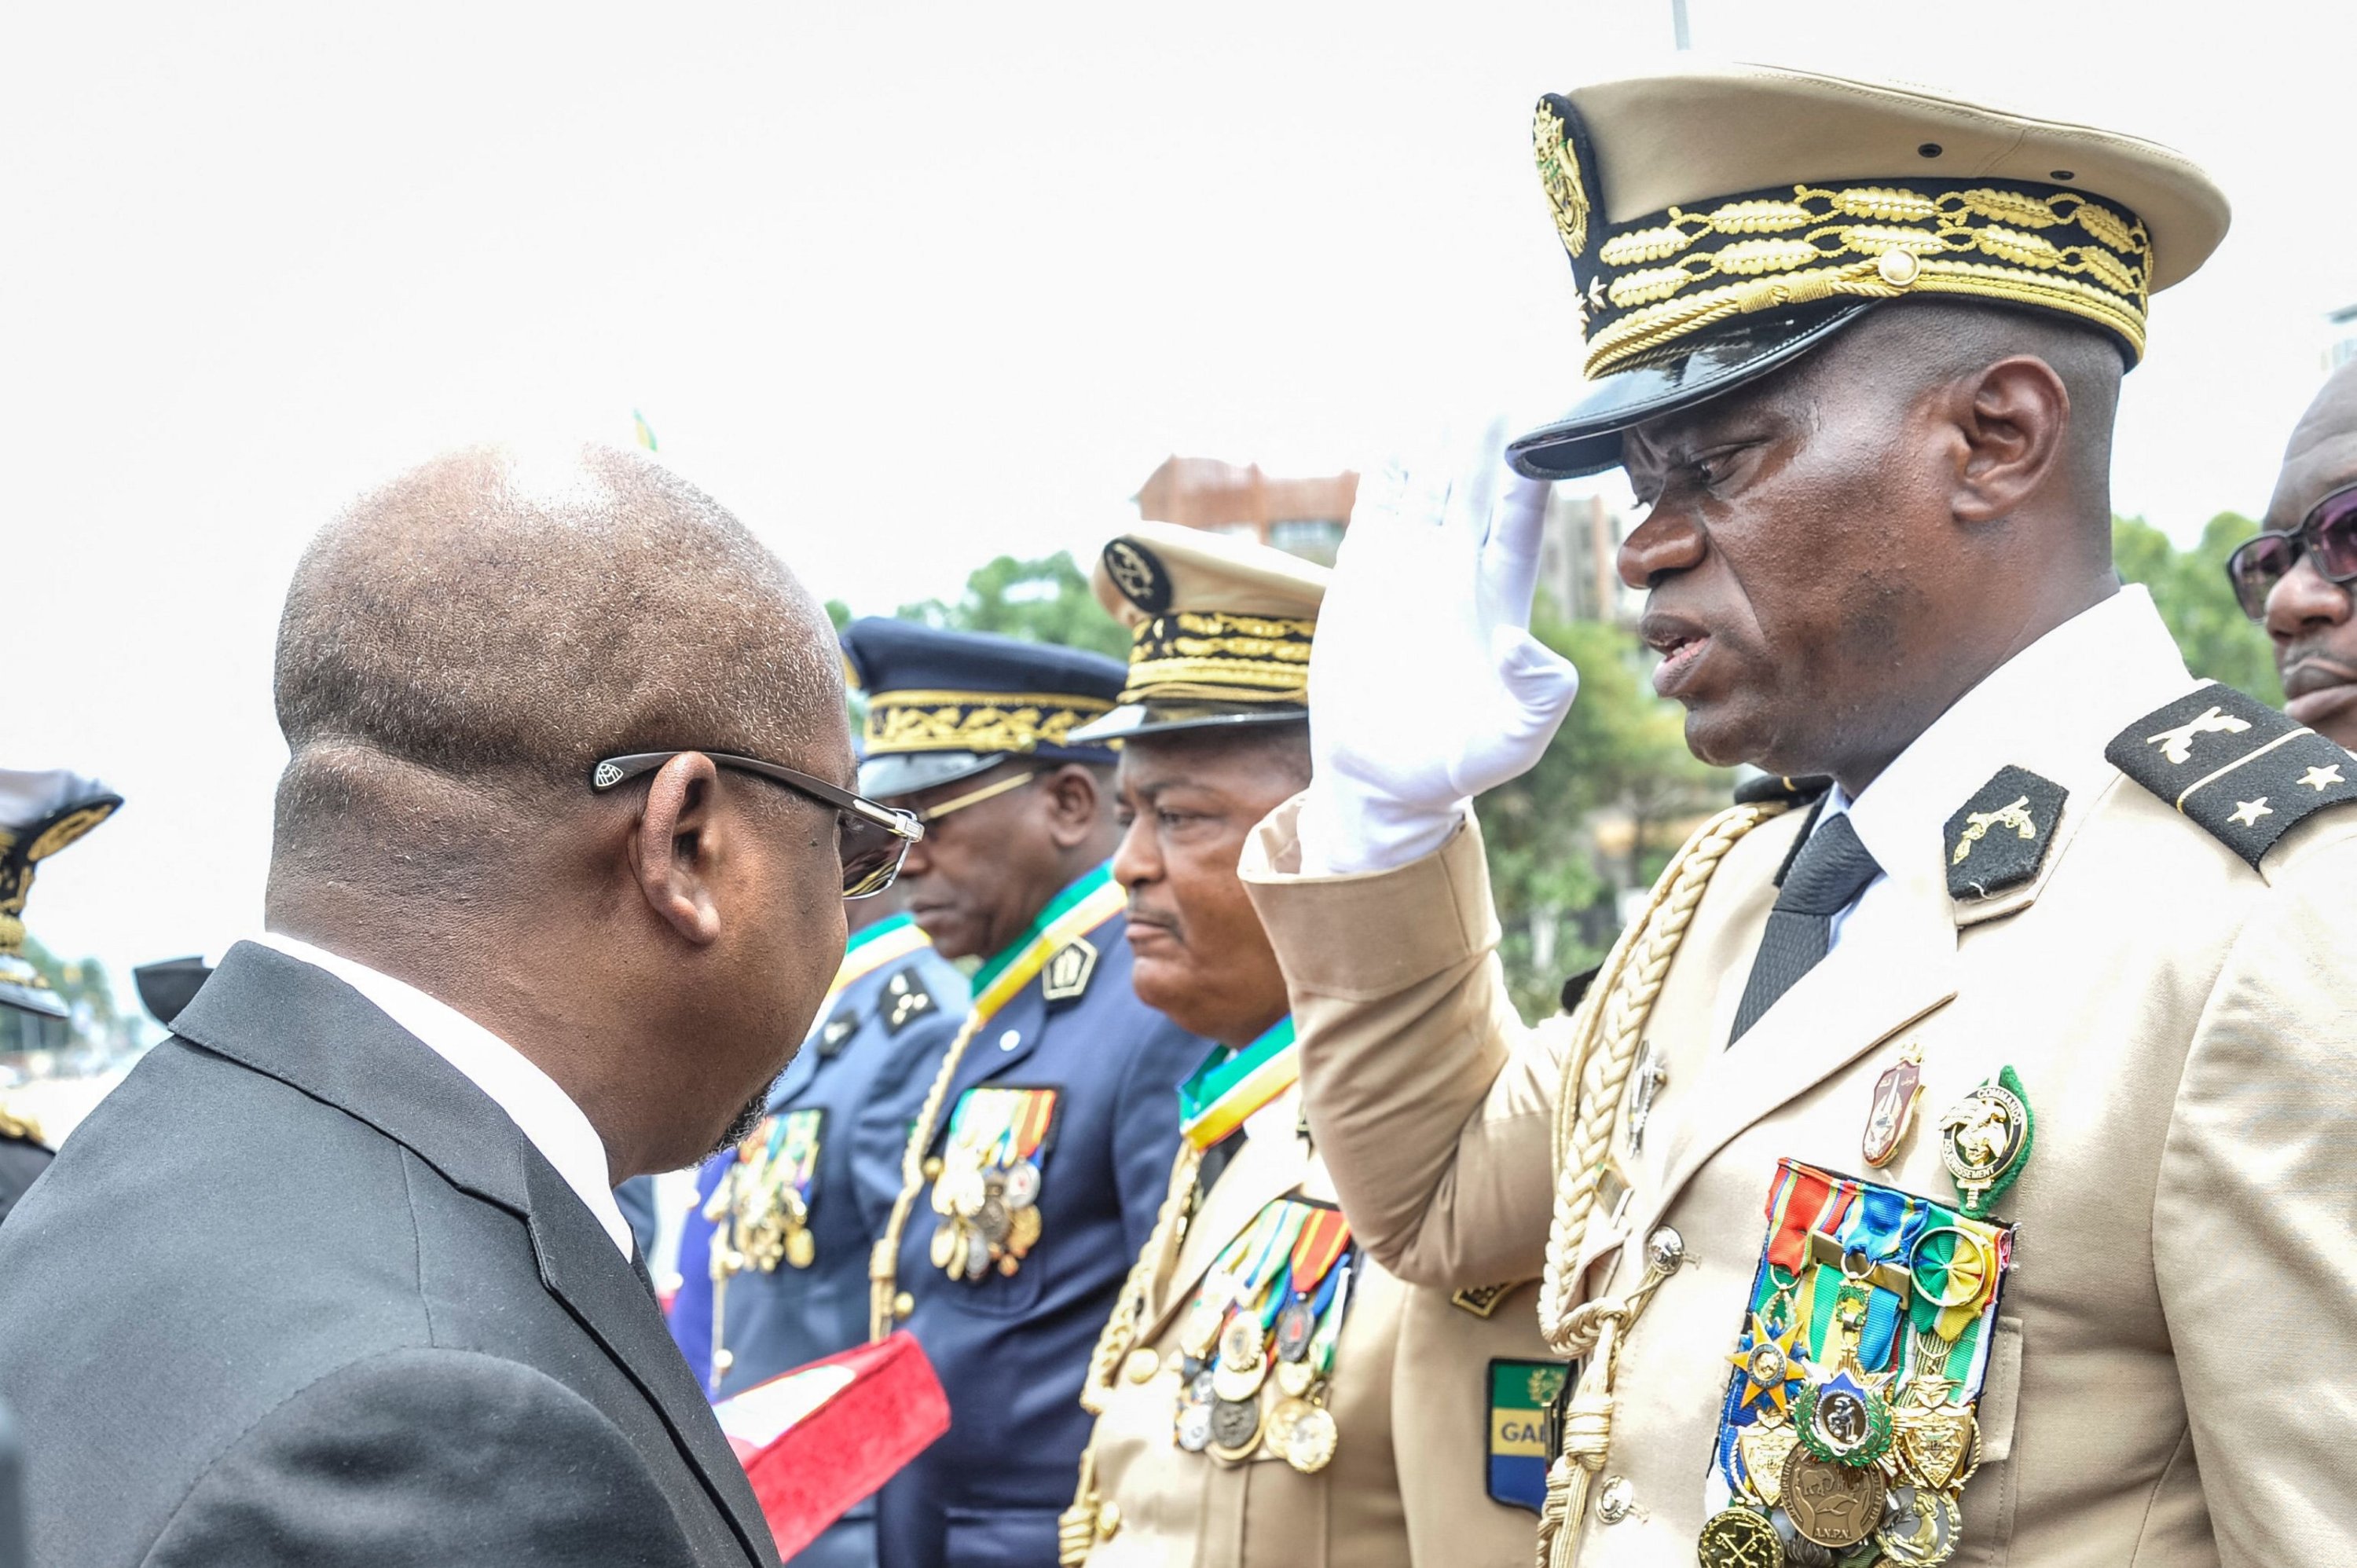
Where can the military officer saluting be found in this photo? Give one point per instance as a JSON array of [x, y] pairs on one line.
[[1245, 1384], [1956, 1169], [1035, 1158]]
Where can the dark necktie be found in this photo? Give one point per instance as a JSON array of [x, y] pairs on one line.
[[1832, 869]]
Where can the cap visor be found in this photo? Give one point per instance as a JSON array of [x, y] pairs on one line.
[[1588, 439], [909, 772], [1135, 719]]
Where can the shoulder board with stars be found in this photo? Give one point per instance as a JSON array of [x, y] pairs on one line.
[[837, 1032], [1067, 974], [906, 1000], [2244, 771]]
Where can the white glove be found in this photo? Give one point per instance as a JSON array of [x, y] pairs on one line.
[[1425, 686]]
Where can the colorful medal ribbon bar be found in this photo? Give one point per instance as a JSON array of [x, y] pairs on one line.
[[1224, 1093], [1324, 1236]]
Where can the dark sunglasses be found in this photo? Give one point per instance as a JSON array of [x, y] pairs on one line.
[[871, 839], [2327, 536]]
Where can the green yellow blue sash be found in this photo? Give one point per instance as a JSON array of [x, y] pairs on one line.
[[1225, 1090], [870, 949], [1076, 911]]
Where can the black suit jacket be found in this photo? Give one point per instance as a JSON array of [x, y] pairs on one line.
[[298, 1293]]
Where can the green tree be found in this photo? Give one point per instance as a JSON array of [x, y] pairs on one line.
[[1044, 600], [2189, 588], [1620, 759], [83, 987]]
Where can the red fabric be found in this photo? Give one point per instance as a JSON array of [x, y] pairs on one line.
[[848, 1446]]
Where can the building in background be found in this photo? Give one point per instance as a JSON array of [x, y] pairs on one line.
[[1306, 517], [1303, 517]]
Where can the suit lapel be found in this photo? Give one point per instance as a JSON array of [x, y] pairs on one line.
[[299, 1025], [581, 1268], [1873, 984]]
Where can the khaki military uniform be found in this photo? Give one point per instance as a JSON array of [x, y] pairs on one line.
[[2169, 1380], [1393, 1494]]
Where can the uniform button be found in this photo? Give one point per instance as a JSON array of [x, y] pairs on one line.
[[1108, 1520], [723, 1359], [933, 1168], [1665, 1250], [1141, 1366], [1009, 1040], [1616, 1499], [903, 1305]]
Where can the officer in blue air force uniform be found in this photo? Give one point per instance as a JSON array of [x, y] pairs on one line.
[[773, 1257], [1039, 1152]]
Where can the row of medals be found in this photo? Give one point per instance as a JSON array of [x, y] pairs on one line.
[[1875, 1472], [989, 1218], [1220, 1410], [769, 1223]]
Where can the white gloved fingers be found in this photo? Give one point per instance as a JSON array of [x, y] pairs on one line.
[[1510, 561]]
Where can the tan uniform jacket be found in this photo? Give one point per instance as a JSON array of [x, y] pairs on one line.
[[1393, 1494], [2171, 1380]]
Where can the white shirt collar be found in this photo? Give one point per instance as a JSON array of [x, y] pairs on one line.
[[2086, 678], [545, 1114]]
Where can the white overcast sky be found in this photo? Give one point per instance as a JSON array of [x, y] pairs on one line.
[[906, 285]]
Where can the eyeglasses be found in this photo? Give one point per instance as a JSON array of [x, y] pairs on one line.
[[2327, 536], [973, 798], [871, 839]]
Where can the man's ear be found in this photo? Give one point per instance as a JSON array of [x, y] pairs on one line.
[[673, 843], [1075, 804], [2014, 420]]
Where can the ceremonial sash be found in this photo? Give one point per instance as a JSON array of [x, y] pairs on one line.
[[1225, 1090], [1076, 911]]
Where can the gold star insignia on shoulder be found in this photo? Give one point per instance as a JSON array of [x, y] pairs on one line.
[[2248, 812], [2320, 779], [1066, 975]]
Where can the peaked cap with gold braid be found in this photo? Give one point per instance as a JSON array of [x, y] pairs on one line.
[[1722, 219], [40, 813], [1219, 630]]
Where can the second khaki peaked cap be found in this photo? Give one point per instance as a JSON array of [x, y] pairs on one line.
[[1219, 630], [1722, 219]]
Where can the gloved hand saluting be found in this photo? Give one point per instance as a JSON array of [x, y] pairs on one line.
[[1425, 686]]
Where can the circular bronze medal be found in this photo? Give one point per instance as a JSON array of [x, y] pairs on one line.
[[990, 1218], [1236, 1429], [1296, 1324], [1022, 1185], [1833, 1504], [1738, 1538], [1920, 1529]]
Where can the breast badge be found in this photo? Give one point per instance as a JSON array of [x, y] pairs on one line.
[[1892, 1112], [1521, 1395], [1848, 1430], [1985, 1141]]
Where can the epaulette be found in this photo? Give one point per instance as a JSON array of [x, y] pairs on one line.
[[1066, 976], [906, 1000], [2244, 771], [837, 1032], [1771, 788]]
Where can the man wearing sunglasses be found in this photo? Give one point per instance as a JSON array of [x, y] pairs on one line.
[[556, 889], [1034, 1153], [1957, 1170], [2295, 579]]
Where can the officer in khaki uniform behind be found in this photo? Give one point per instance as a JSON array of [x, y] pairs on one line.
[[1245, 1382], [1957, 1170]]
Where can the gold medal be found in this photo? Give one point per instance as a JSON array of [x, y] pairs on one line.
[[1985, 1141], [1764, 1449], [1933, 1444], [1740, 1538], [948, 1250], [1242, 1345], [1303, 1434], [1202, 1327], [1232, 1382], [1833, 1504], [1140, 1366], [1023, 1229], [1293, 1378], [801, 1251]]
